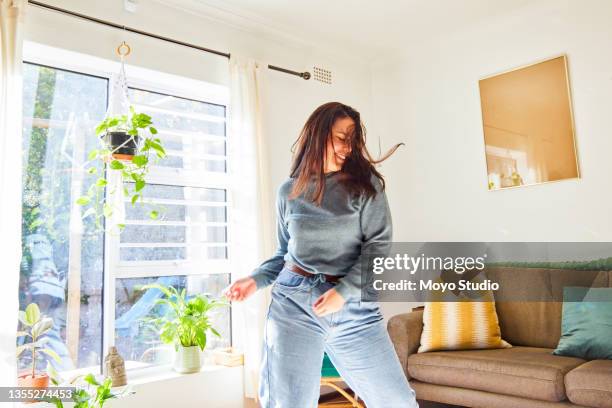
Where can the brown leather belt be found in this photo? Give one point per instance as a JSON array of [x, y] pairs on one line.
[[294, 268]]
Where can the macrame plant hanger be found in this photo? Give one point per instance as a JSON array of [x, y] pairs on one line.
[[123, 145]]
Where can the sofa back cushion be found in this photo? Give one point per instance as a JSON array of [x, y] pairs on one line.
[[529, 301]]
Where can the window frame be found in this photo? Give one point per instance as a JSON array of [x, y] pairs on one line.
[[171, 85]]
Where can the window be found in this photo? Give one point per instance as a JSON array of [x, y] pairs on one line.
[[187, 245], [91, 282]]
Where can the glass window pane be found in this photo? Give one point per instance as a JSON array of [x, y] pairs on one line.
[[62, 265], [191, 225], [138, 342], [153, 254], [170, 102], [193, 132]]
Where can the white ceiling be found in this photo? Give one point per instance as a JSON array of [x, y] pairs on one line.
[[367, 27]]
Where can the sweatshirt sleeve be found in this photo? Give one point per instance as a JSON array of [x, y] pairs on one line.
[[377, 232], [267, 272]]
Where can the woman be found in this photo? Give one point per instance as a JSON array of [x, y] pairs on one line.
[[331, 207]]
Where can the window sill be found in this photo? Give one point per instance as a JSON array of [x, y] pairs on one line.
[[214, 386], [166, 372]]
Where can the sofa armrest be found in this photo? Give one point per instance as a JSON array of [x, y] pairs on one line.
[[405, 331]]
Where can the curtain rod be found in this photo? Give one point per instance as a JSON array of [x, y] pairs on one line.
[[305, 75]]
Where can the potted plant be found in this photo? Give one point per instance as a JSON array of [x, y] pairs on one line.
[[186, 325], [121, 133], [90, 393], [128, 145], [35, 327]]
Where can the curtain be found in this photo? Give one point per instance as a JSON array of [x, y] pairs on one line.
[[11, 44], [251, 207]]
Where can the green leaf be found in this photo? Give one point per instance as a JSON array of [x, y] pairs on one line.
[[140, 160], [167, 336], [93, 154], [159, 149], [32, 314], [121, 227], [92, 170], [91, 379], [101, 182], [51, 354], [116, 165], [153, 130], [54, 375], [165, 290], [154, 214], [107, 210], [135, 198], [36, 223], [41, 327], [140, 184], [83, 200]]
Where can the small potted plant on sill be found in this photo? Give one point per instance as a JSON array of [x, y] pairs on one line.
[[128, 145], [89, 393], [36, 327], [186, 324]]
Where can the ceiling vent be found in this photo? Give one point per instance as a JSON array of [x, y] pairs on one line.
[[322, 75]]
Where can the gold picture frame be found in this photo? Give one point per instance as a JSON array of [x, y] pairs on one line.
[[528, 125]]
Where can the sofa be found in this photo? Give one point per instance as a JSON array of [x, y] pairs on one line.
[[526, 375]]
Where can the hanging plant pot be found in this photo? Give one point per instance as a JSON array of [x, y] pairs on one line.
[[123, 145]]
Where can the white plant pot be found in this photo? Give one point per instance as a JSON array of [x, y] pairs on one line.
[[187, 360]]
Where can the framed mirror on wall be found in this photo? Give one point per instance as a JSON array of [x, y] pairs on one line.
[[528, 125]]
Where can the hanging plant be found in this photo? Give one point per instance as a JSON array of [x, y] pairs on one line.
[[129, 146]]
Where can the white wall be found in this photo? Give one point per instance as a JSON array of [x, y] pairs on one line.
[[208, 388], [429, 99]]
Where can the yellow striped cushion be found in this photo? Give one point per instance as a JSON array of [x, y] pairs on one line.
[[461, 325]]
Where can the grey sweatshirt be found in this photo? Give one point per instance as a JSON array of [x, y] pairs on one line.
[[328, 238]]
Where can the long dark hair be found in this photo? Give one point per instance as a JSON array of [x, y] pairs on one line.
[[310, 152]]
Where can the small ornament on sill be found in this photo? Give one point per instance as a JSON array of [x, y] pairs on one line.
[[228, 357], [114, 367]]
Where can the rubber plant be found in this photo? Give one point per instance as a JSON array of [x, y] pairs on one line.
[[144, 148], [35, 327], [186, 324]]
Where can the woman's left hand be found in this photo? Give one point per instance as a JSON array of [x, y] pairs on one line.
[[329, 302]]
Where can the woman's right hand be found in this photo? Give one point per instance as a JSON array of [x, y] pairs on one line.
[[241, 289]]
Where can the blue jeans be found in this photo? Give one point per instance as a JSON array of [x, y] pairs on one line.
[[355, 338]]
